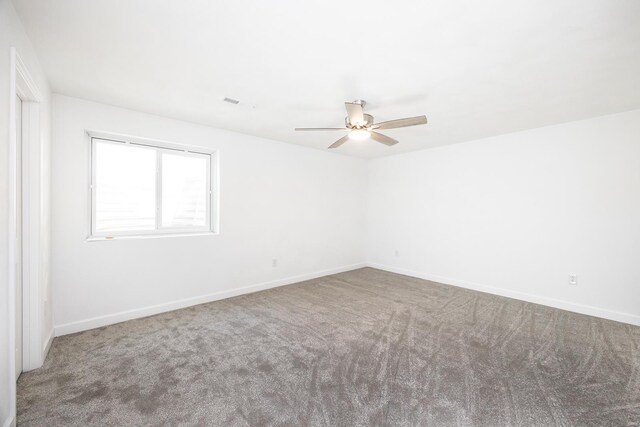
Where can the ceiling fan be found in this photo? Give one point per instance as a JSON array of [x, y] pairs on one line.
[[361, 126]]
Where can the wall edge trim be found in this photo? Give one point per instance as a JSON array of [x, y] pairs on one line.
[[110, 319], [522, 296]]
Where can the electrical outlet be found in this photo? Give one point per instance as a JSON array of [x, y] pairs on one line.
[[274, 262], [573, 279], [397, 252]]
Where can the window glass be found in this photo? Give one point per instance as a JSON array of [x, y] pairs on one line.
[[141, 189], [125, 180], [184, 190]]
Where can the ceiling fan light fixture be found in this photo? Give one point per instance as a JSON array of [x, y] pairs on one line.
[[359, 134], [361, 126]]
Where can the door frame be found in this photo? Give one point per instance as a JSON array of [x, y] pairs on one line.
[[23, 86]]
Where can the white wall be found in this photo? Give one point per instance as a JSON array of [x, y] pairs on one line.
[[13, 35], [304, 207], [513, 215], [517, 214]]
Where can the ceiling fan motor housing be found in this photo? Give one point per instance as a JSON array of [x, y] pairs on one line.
[[368, 121]]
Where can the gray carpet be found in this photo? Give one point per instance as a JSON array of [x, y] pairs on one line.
[[365, 347]]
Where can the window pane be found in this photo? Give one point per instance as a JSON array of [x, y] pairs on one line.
[[184, 190], [125, 187]]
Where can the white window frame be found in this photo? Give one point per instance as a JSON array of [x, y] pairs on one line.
[[159, 147]]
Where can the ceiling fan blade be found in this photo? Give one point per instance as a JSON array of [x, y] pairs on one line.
[[305, 129], [383, 138], [355, 113], [401, 123], [339, 142]]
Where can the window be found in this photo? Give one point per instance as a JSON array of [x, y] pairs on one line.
[[146, 188]]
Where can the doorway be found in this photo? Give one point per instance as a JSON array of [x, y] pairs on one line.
[[19, 233], [27, 347]]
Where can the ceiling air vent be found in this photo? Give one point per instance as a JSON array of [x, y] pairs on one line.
[[231, 101]]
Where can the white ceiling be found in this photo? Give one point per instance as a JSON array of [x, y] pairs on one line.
[[475, 68]]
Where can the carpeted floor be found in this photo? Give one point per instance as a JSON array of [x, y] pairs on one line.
[[365, 347]]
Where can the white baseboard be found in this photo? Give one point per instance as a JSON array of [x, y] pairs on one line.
[[551, 302], [46, 345], [110, 319]]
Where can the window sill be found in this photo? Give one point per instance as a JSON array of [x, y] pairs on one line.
[[149, 236]]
